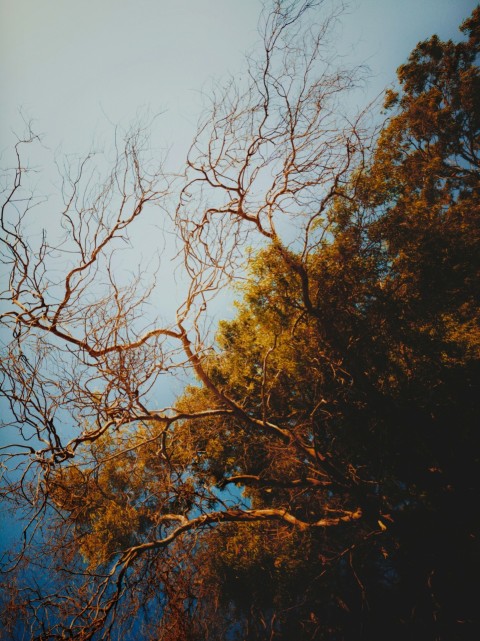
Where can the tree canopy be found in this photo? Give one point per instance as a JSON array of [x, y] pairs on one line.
[[317, 478]]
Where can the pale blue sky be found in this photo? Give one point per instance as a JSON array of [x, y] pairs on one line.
[[73, 65]]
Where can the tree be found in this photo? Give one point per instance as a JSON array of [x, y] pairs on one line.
[[308, 484]]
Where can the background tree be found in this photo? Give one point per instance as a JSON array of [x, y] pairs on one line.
[[371, 347], [312, 481], [391, 366]]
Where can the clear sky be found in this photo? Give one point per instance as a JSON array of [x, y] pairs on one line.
[[74, 66]]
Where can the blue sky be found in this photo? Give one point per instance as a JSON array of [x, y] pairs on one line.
[[76, 67]]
